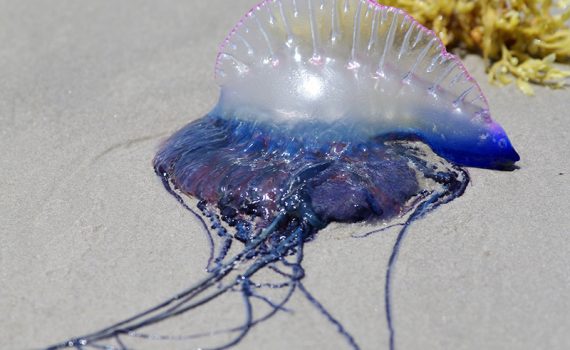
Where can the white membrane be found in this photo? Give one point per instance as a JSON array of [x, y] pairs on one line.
[[371, 68]]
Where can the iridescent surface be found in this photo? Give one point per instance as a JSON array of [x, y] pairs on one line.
[[89, 236], [364, 69], [302, 138]]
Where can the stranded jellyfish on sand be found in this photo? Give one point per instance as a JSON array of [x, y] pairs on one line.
[[343, 111]]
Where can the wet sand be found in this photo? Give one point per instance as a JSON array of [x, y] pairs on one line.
[[89, 236]]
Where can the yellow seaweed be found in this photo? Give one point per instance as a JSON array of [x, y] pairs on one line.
[[519, 39]]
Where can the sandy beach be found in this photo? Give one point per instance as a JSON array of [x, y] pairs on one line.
[[89, 236]]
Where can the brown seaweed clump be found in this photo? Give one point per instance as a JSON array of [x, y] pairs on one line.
[[519, 39]]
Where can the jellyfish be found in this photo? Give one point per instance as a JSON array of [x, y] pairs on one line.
[[329, 111]]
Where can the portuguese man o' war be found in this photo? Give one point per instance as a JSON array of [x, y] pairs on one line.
[[330, 111]]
